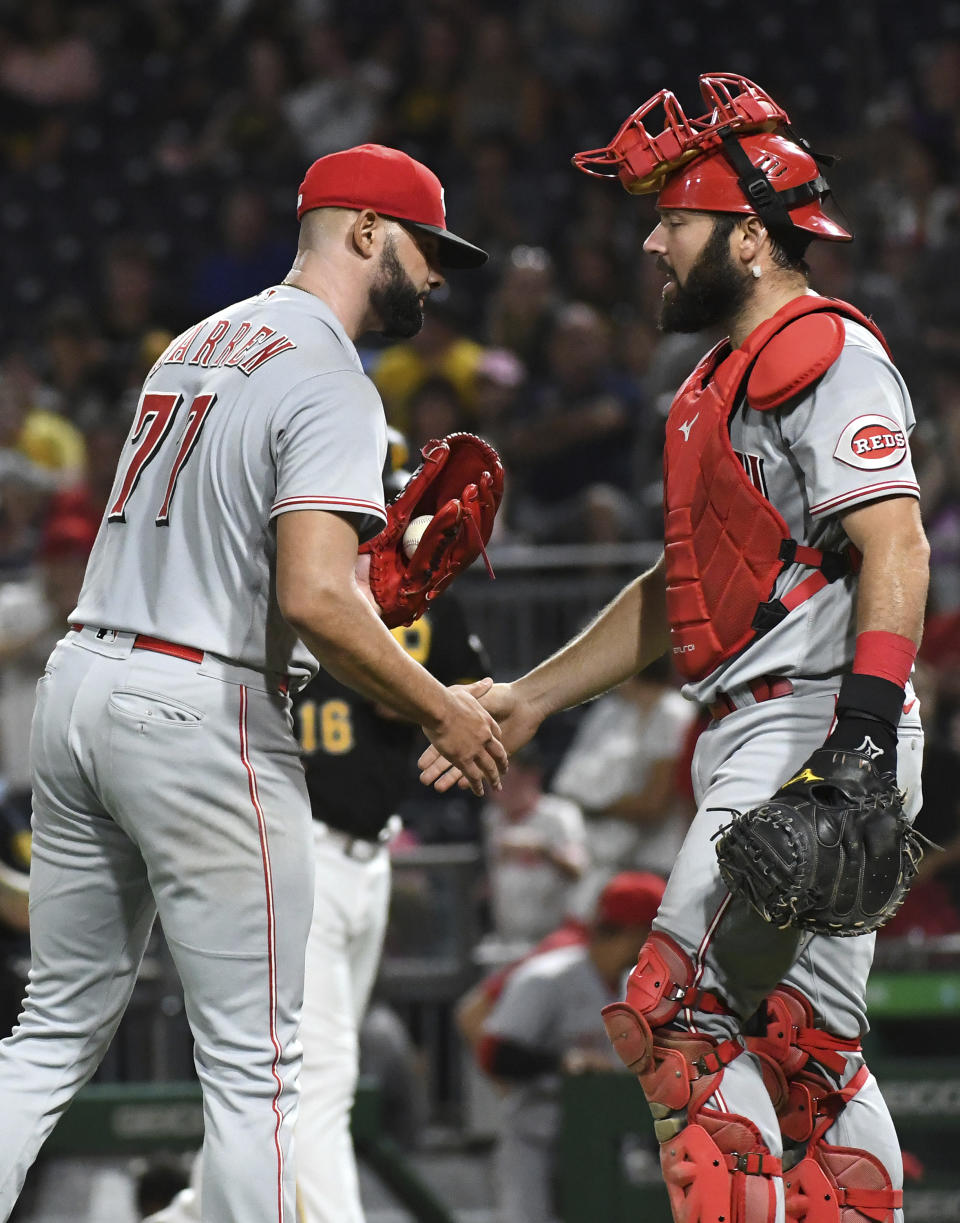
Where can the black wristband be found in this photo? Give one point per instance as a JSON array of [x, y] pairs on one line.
[[869, 694], [511, 1060]]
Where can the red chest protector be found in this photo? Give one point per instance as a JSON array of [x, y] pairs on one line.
[[725, 543]]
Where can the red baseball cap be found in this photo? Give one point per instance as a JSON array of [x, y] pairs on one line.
[[630, 899], [67, 535], [393, 184]]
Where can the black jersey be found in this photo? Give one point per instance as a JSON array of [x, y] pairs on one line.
[[360, 763], [15, 857]]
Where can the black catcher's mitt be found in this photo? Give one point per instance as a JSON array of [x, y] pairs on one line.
[[831, 852]]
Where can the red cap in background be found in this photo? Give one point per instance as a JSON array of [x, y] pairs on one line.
[[630, 899], [393, 184], [67, 535]]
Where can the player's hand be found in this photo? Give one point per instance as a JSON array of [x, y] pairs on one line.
[[518, 720], [468, 737]]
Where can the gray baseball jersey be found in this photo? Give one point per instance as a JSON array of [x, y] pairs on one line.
[[258, 410], [841, 446]]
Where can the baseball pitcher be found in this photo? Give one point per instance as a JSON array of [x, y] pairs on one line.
[[167, 779]]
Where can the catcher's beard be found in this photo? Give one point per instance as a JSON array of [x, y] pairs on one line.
[[714, 290], [394, 296]]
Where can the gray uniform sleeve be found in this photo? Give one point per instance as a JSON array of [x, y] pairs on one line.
[[329, 441], [850, 437], [525, 1010]]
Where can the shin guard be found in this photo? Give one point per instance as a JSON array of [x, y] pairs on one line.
[[840, 1185], [822, 1183], [715, 1164]]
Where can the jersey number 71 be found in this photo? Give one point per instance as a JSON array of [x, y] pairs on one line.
[[158, 410]]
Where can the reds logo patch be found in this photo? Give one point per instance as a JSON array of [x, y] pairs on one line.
[[871, 442]]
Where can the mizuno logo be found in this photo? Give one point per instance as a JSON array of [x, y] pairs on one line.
[[808, 775], [687, 426]]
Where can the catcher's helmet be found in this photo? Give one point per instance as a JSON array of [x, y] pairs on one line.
[[741, 156]]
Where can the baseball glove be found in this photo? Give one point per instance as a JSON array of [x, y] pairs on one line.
[[460, 483], [832, 851]]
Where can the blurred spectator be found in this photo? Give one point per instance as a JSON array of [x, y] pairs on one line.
[[338, 103], [33, 617], [249, 134], [14, 914], [86, 499], [46, 66], [25, 490], [130, 307], [76, 361], [621, 770], [547, 1022], [595, 274], [571, 451], [932, 905], [421, 109], [435, 409], [939, 486], [389, 1057], [497, 389], [498, 92], [523, 307], [31, 426], [536, 851], [499, 209], [439, 349], [249, 259]]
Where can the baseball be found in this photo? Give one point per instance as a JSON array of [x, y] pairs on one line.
[[414, 533]]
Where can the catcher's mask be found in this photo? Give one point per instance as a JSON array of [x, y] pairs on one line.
[[741, 156]]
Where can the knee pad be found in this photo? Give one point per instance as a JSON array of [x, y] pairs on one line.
[[715, 1164], [840, 1185], [678, 1070], [793, 1057]]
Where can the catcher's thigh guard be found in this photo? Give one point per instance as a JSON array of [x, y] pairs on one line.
[[715, 1164], [822, 1183]]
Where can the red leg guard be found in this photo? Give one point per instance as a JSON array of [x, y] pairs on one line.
[[840, 1185], [706, 1183], [716, 1166], [829, 1184]]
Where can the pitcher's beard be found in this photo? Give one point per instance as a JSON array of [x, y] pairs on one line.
[[395, 298]]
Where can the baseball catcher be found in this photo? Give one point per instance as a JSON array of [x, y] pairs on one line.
[[459, 485], [832, 852]]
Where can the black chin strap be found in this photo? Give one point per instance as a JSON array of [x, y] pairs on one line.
[[772, 206]]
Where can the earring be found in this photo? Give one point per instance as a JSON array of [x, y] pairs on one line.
[[756, 271]]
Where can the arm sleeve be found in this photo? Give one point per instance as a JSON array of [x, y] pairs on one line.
[[850, 437], [330, 443]]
